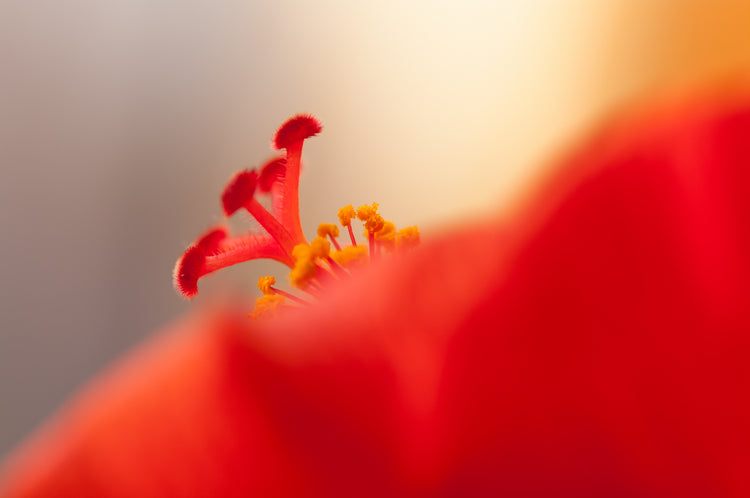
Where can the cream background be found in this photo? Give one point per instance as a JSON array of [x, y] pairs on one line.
[[120, 121]]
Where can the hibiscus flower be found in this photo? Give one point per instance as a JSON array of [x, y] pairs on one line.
[[595, 343]]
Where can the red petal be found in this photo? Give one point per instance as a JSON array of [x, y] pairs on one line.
[[176, 419]]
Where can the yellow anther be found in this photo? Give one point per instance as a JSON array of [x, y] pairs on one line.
[[407, 238], [320, 247], [365, 212], [268, 306], [346, 214], [351, 257], [386, 237], [265, 283], [369, 215], [326, 229], [302, 252], [304, 265]]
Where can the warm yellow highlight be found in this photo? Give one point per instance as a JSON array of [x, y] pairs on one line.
[[346, 214], [329, 229], [351, 257], [407, 238], [369, 215]]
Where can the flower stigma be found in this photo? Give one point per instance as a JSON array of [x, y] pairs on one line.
[[313, 265]]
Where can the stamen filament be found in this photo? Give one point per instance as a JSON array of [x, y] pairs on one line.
[[291, 136], [289, 296], [290, 213], [272, 225], [351, 235], [313, 289], [373, 248], [335, 242], [337, 268], [243, 249]]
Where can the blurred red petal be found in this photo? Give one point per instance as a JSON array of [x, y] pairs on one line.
[[595, 345]]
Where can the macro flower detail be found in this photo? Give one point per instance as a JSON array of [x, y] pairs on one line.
[[590, 346], [313, 264]]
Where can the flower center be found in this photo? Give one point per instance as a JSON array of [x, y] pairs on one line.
[[313, 265]]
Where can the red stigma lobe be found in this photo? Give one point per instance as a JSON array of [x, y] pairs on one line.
[[239, 191], [189, 268], [210, 241], [271, 173], [296, 129]]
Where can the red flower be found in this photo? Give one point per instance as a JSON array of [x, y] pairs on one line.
[[596, 344]]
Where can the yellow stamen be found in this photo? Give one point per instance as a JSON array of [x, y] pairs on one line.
[[328, 229], [351, 256], [314, 262], [386, 237], [369, 215], [304, 265], [268, 306], [320, 248], [265, 283], [407, 238], [346, 214]]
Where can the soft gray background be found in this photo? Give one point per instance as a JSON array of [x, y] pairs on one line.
[[120, 121]]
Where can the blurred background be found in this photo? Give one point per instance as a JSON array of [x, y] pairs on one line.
[[120, 122]]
